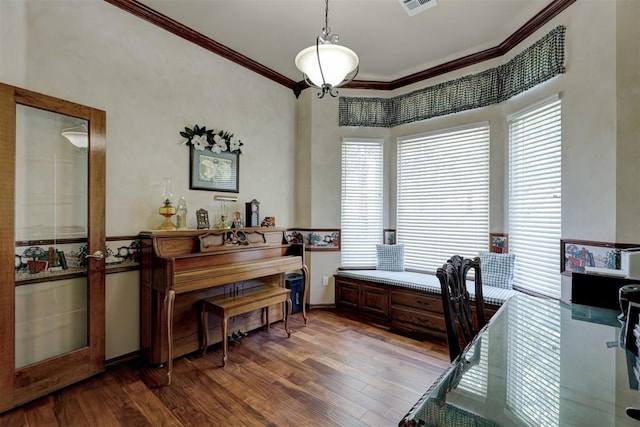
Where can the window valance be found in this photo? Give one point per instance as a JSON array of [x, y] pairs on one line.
[[534, 65]]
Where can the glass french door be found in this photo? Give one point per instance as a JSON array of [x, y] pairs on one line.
[[52, 310]]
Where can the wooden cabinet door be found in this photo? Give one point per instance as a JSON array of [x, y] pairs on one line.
[[52, 315], [347, 294], [374, 300]]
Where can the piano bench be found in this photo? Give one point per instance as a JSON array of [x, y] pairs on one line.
[[252, 299]]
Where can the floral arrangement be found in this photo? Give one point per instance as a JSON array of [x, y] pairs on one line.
[[202, 138]]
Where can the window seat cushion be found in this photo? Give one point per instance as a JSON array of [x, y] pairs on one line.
[[426, 282]]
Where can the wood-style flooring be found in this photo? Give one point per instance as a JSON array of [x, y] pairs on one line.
[[334, 372]]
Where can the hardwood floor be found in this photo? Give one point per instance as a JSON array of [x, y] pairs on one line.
[[333, 372]]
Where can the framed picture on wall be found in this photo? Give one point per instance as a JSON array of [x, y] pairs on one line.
[[499, 243], [214, 171], [389, 237]]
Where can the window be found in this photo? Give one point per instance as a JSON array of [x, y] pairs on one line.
[[535, 197], [443, 195], [362, 201]]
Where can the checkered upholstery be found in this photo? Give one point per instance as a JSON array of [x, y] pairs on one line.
[[390, 257], [497, 269], [426, 282]]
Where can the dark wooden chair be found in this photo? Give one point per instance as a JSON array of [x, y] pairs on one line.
[[458, 313]]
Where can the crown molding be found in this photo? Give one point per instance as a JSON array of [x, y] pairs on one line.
[[142, 11], [545, 15]]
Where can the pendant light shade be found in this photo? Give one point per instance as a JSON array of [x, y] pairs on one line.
[[78, 136], [327, 65], [337, 63]]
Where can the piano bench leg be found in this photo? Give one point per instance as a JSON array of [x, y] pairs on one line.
[[204, 325], [225, 341]]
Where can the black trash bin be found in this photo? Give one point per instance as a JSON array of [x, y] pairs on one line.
[[294, 282]]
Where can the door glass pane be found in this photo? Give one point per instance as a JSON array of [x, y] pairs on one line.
[[51, 235]]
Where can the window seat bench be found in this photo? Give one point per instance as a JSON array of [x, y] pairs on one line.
[[404, 300]]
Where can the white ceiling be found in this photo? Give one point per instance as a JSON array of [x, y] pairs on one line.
[[390, 43]]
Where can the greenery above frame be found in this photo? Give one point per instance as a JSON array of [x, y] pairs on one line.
[[201, 138]]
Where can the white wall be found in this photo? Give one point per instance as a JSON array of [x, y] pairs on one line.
[[600, 121], [151, 84]]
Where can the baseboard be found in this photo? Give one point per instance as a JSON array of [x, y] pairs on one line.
[[312, 306], [122, 359]]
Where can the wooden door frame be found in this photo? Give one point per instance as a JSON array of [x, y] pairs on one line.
[[32, 381]]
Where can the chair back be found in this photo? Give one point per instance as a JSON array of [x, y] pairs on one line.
[[460, 323]]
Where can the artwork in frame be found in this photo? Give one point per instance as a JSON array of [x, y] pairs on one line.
[[294, 236], [322, 240], [580, 255], [214, 171], [499, 243], [389, 237], [202, 219], [315, 239]]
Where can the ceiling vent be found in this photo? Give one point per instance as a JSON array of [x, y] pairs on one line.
[[413, 7]]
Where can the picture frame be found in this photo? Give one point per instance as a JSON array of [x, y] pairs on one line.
[[214, 171], [389, 236], [316, 239], [202, 219], [579, 255], [498, 243]]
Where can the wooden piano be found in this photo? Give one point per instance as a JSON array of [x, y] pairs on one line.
[[180, 268]]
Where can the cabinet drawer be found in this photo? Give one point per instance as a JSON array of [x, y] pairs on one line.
[[417, 320], [420, 300]]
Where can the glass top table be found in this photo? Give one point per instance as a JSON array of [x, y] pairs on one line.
[[539, 362]]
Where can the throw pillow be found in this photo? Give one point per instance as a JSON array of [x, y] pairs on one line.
[[497, 269], [390, 257]]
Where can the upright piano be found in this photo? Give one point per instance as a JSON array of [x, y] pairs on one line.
[[180, 268]]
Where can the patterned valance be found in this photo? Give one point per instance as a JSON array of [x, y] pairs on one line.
[[536, 64]]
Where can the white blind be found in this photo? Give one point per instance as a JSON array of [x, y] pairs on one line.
[[535, 198], [443, 195], [362, 201]]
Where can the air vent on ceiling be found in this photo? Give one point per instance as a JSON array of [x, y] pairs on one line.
[[413, 7]]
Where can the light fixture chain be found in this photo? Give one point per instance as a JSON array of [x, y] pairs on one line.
[[326, 30]]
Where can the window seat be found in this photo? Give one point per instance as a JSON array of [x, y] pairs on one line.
[[404, 300]]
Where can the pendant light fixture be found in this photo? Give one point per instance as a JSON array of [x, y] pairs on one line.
[[78, 136], [327, 65]]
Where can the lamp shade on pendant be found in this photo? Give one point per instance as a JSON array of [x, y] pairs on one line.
[[78, 136], [337, 63]]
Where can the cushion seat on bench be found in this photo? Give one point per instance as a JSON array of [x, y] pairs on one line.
[[425, 282]]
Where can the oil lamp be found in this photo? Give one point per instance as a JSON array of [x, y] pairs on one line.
[[167, 210]]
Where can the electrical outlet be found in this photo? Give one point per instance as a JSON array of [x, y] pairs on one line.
[[325, 281]]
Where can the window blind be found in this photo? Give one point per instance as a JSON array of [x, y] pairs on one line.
[[535, 197], [362, 201], [443, 195]]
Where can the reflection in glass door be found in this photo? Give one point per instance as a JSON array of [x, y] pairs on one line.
[[51, 232]]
